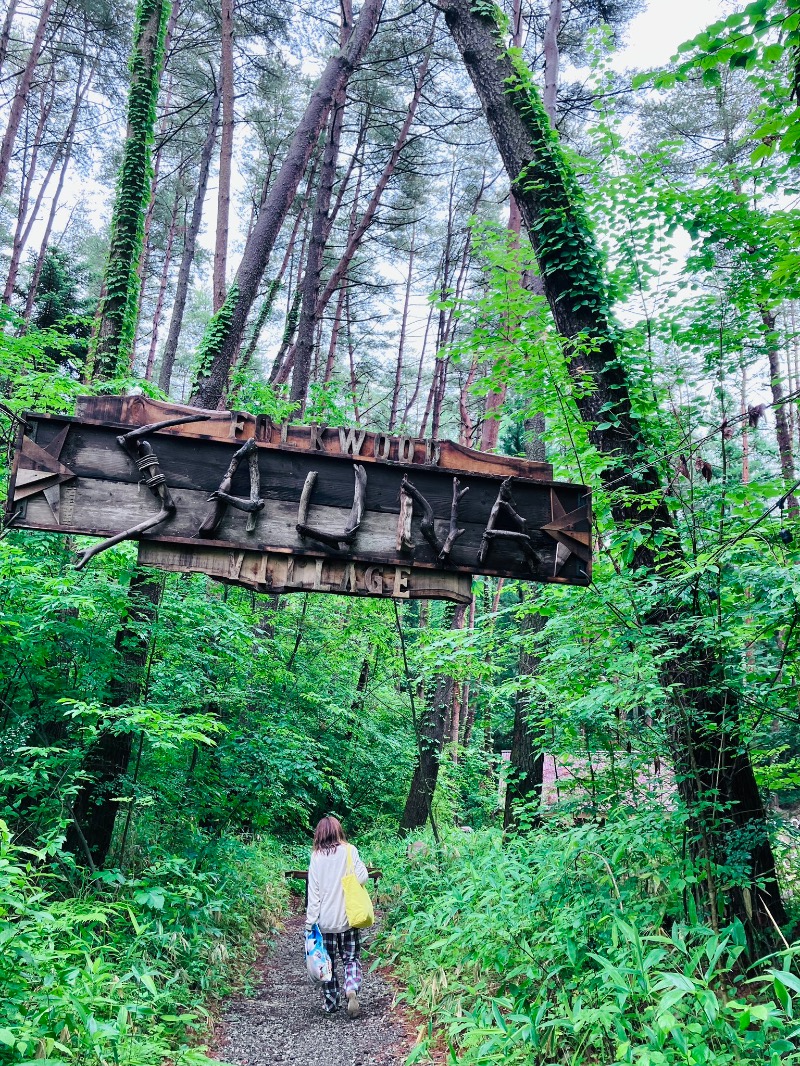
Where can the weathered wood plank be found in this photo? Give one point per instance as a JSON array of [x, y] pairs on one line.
[[105, 507], [302, 501], [92, 452], [369, 447], [270, 572]]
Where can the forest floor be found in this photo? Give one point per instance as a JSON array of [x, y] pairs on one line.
[[283, 1021]]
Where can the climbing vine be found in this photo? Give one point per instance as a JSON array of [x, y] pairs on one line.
[[112, 344], [214, 337], [560, 232]]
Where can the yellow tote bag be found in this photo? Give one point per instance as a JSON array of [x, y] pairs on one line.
[[357, 903]]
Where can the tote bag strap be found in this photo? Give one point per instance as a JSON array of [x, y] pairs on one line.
[[350, 868]]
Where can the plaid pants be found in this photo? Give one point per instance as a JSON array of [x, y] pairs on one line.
[[349, 946]]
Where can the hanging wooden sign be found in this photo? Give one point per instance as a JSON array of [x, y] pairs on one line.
[[292, 508]]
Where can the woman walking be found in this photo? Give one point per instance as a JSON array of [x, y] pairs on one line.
[[331, 858]]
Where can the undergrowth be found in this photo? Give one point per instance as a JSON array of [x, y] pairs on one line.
[[123, 971], [568, 945]]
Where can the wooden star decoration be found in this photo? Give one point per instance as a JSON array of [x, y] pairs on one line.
[[40, 470], [562, 528]]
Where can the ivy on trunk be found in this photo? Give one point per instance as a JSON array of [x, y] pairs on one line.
[[713, 767], [111, 350]]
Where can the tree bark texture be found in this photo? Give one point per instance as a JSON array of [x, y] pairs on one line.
[[64, 153], [5, 33], [527, 755], [320, 231], [144, 264], [304, 345], [106, 762], [225, 155], [226, 330], [398, 373], [111, 349], [430, 738], [783, 433], [359, 231], [551, 59], [276, 283], [21, 92], [21, 229], [330, 362], [708, 752], [189, 246], [158, 310], [281, 367]]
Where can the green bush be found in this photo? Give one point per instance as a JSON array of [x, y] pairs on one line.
[[121, 972], [569, 945]]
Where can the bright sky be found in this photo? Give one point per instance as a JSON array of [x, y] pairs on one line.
[[653, 37]]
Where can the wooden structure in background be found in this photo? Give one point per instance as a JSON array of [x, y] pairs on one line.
[[282, 508]]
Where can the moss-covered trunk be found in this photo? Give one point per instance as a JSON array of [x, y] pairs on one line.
[[713, 767], [111, 350]]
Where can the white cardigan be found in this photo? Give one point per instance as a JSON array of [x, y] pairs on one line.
[[325, 895]]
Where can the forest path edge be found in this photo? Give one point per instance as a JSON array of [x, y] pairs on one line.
[[282, 1021]]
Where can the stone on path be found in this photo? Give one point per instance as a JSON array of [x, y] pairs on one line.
[[283, 1023]]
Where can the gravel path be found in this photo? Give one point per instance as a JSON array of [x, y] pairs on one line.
[[283, 1022]]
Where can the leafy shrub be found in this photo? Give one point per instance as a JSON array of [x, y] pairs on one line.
[[121, 972], [564, 946]]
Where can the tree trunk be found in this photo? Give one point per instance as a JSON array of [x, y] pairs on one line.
[[745, 431], [25, 223], [280, 368], [224, 335], [335, 328], [551, 60], [95, 807], [357, 235], [106, 762], [490, 428], [225, 155], [527, 755], [34, 213], [5, 33], [420, 367], [21, 93], [430, 741], [111, 348], [320, 230], [66, 157], [707, 748], [455, 720], [351, 352], [782, 432], [273, 289], [447, 322], [398, 374], [275, 284], [187, 257], [162, 288], [144, 264]]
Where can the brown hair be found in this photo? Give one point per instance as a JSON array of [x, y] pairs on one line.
[[328, 834]]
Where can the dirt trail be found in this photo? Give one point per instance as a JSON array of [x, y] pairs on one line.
[[283, 1022]]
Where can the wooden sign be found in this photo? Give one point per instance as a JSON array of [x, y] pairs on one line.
[[292, 508]]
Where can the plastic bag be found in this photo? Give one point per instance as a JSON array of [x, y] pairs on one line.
[[318, 961], [358, 905]]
